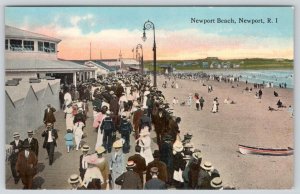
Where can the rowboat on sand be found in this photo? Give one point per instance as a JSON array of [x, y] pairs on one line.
[[265, 151]]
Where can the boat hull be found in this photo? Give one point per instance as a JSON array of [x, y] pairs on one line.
[[265, 151]]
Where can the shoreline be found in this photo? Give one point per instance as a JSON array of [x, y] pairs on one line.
[[248, 122]]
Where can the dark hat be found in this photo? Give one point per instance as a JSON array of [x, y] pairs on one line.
[[156, 154], [154, 170]]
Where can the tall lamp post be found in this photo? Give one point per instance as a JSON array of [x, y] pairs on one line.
[[147, 26], [139, 46]]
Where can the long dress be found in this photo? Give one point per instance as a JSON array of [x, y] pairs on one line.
[[69, 117], [146, 152], [77, 130], [214, 109], [99, 141], [67, 98]]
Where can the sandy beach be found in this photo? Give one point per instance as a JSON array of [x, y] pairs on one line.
[[247, 122]]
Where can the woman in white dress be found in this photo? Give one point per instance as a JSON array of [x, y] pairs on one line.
[[100, 118], [78, 132], [69, 117], [214, 108], [145, 142]]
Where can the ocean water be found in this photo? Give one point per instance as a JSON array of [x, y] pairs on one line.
[[260, 76]]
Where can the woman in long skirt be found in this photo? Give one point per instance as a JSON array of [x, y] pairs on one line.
[[145, 142], [78, 132]]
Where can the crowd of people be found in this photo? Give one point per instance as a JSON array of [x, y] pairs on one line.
[[123, 106]]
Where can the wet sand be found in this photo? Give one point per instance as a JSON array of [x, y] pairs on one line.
[[248, 122]]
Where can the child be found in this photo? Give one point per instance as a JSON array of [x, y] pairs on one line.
[[69, 139]]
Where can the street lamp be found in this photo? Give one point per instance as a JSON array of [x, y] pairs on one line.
[[141, 60], [147, 26]]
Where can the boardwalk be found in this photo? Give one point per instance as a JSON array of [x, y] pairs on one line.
[[65, 164]]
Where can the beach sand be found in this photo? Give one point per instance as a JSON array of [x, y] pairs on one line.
[[248, 122]]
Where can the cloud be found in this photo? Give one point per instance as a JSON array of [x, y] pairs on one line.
[[180, 44]]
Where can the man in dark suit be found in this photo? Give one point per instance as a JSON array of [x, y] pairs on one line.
[[108, 127], [33, 143], [162, 168], [27, 166], [139, 161], [16, 149], [155, 182], [129, 179], [50, 136], [49, 115]]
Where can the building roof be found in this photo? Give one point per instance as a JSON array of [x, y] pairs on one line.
[[20, 64], [20, 91], [130, 62], [12, 32], [98, 63]]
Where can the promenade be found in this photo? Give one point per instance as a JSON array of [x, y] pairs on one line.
[[65, 164], [217, 135]]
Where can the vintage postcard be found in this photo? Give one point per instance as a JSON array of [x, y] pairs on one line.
[[113, 98]]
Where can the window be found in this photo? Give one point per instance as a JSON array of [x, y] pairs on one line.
[[16, 45], [28, 45], [6, 44], [47, 47], [52, 48], [40, 46]]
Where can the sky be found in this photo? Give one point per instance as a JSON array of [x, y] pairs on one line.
[[112, 30]]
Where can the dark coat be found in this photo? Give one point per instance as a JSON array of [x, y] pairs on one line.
[[166, 154], [140, 164], [193, 173], [114, 106], [162, 169], [49, 116], [129, 180], [203, 179], [27, 166], [34, 145], [45, 135], [145, 121], [179, 162], [14, 156], [107, 125], [155, 184], [136, 119], [81, 170]]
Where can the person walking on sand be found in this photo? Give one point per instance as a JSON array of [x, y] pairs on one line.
[[214, 108], [197, 102], [260, 93], [201, 102]]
